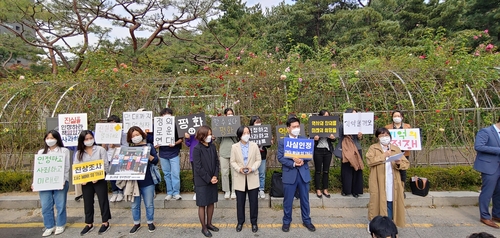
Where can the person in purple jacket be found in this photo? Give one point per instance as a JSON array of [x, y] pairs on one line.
[[191, 142]]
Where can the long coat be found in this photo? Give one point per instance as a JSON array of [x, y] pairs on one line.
[[378, 200], [237, 162]]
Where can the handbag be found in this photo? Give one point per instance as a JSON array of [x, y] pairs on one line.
[[276, 185], [419, 186]]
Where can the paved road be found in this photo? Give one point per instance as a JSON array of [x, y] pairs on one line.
[[330, 222]]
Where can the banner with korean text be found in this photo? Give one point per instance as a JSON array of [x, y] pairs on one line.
[[324, 126], [143, 119], [225, 126], [189, 124], [70, 126], [88, 171], [48, 172], [261, 135], [406, 139], [358, 122], [130, 163], [108, 133], [164, 133], [299, 148]]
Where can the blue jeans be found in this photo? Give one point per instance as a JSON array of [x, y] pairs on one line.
[[114, 188], [147, 194], [172, 171], [262, 175], [58, 198], [389, 210]]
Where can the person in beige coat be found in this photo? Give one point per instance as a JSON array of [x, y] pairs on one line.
[[386, 189], [245, 160]]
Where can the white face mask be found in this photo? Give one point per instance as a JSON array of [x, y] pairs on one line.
[[136, 139], [208, 139], [51, 142], [397, 119], [245, 138], [230, 115], [296, 131], [257, 124], [385, 140], [89, 142]]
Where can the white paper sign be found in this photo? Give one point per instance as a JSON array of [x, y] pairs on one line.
[[144, 120], [358, 122], [394, 157], [70, 126], [164, 133], [48, 172], [108, 133]]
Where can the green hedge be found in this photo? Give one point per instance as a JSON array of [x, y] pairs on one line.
[[456, 178]]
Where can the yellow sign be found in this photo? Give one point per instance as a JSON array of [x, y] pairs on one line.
[[88, 171]]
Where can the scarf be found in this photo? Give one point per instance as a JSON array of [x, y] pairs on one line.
[[351, 154]]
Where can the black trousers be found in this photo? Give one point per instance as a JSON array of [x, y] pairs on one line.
[[352, 180], [241, 197], [403, 172], [192, 170], [322, 158], [101, 189]]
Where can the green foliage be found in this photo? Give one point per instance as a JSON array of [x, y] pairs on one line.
[[11, 181]]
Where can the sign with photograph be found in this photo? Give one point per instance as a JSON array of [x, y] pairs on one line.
[[300, 148], [324, 126], [406, 139], [144, 120], [48, 172], [164, 133], [261, 135], [70, 126], [108, 133], [130, 163], [358, 122], [88, 171], [189, 124], [225, 126]]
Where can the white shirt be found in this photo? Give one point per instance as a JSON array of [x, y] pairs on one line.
[[389, 180], [66, 153]]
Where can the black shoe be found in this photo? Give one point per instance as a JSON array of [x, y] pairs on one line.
[[79, 198], [285, 228], [344, 194], [212, 228], [355, 195], [87, 229], [206, 233], [135, 228], [239, 227], [255, 228], [151, 227], [310, 227], [326, 194], [319, 195], [103, 229]]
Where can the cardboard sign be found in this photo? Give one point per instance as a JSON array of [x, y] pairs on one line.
[[108, 133], [129, 164], [406, 139], [48, 172], [282, 132], [88, 171], [225, 126], [358, 122], [144, 120], [189, 124], [70, 126], [164, 133], [324, 126], [261, 135], [300, 148]]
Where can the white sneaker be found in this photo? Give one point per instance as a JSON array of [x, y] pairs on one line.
[[168, 197], [60, 229], [194, 197], [48, 232], [113, 197], [177, 197], [119, 198], [227, 195], [262, 194], [233, 195], [368, 228]]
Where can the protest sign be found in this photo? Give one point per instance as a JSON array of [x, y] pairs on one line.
[[225, 126], [406, 139], [88, 171], [189, 124], [108, 133], [261, 134], [143, 119], [282, 132], [130, 163], [324, 126], [164, 133], [70, 126], [300, 148], [358, 122], [48, 172]]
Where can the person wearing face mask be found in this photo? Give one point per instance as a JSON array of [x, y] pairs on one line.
[[50, 198], [245, 161], [296, 177], [136, 137], [225, 144], [256, 121], [349, 151], [87, 151], [386, 189], [206, 172], [397, 123], [322, 157]]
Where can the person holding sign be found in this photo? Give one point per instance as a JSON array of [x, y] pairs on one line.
[[256, 121], [296, 176], [245, 161], [137, 137], [397, 123], [323, 150], [87, 151], [386, 189], [111, 148], [49, 198], [351, 170], [206, 172], [224, 155]]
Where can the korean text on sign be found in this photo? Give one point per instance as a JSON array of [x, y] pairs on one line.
[[282, 132], [108, 133], [70, 126], [189, 124], [164, 132], [130, 163], [48, 172], [144, 120], [406, 139], [358, 122], [299, 148], [324, 126], [88, 171], [225, 126], [261, 135]]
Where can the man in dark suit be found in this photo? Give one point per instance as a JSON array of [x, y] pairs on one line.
[[296, 176], [487, 146]]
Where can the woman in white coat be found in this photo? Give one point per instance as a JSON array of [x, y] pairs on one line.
[[245, 161]]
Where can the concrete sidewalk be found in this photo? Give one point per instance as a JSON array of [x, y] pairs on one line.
[[433, 199]]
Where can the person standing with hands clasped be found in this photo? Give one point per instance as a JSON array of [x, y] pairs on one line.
[[386, 189], [206, 172], [245, 161], [296, 176], [89, 151]]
